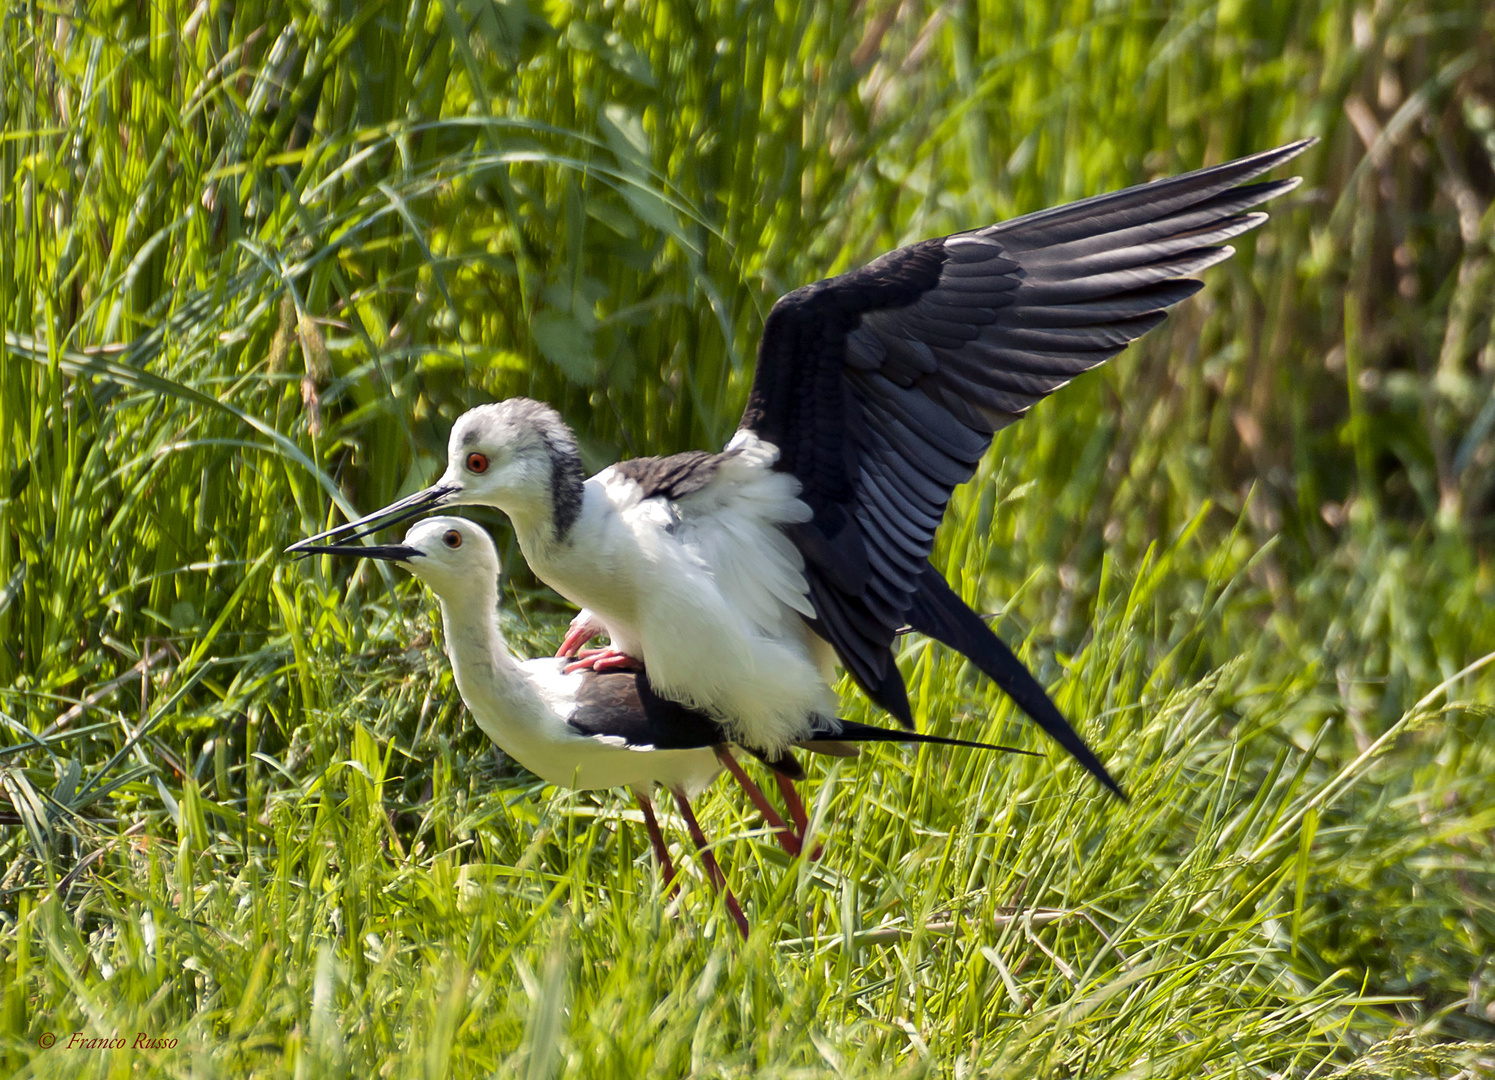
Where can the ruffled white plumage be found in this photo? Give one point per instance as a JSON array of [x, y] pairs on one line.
[[707, 590]]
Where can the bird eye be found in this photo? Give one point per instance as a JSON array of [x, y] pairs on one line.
[[477, 463], [452, 538]]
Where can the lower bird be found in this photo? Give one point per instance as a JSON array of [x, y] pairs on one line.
[[590, 729]]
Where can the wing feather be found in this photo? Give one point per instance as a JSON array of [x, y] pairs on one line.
[[881, 388]]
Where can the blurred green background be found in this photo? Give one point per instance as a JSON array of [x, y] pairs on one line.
[[256, 259]]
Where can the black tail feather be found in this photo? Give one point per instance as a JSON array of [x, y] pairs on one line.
[[851, 731], [889, 692], [940, 613], [892, 695], [843, 732]]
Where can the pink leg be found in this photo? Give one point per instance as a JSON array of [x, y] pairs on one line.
[[713, 871], [796, 811], [793, 801], [656, 838], [785, 835], [583, 629], [575, 638], [608, 659], [616, 661]]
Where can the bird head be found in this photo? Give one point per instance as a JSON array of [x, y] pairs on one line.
[[453, 556], [516, 455]]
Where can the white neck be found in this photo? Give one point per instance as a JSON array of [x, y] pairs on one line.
[[534, 528], [533, 518], [499, 694]]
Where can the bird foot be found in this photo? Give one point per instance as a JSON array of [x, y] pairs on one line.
[[583, 629], [603, 660]]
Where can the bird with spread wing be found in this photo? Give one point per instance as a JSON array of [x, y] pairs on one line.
[[740, 577]]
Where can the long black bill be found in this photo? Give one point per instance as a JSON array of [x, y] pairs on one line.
[[387, 552], [403, 510]]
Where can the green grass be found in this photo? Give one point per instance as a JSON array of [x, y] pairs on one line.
[[255, 258]]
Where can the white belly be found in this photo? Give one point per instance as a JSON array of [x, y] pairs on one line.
[[761, 676]]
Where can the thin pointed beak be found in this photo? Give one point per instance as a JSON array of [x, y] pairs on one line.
[[387, 552], [411, 506]]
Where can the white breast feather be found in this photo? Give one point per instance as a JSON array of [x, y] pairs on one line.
[[719, 590], [735, 525]]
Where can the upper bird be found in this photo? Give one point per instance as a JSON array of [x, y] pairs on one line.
[[735, 575]]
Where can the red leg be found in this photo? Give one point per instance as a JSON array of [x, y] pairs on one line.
[[796, 811], [608, 659], [656, 838], [583, 629], [793, 801], [713, 871], [782, 833]]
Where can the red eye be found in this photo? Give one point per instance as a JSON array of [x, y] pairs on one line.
[[477, 462], [452, 538]]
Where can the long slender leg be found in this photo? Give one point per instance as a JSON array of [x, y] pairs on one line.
[[794, 802], [782, 833], [713, 871], [797, 811], [656, 838]]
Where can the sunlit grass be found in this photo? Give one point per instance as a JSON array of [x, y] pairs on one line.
[[257, 257]]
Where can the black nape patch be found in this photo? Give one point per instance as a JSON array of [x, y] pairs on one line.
[[566, 475], [567, 481]]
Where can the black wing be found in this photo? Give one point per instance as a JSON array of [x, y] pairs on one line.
[[882, 387], [837, 731], [622, 705]]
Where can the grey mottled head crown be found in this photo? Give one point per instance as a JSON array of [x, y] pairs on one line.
[[522, 422]]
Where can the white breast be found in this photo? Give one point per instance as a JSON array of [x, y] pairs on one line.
[[707, 591], [558, 754]]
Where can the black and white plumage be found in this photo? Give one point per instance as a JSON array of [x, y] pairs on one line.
[[877, 392], [883, 387], [583, 729]]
